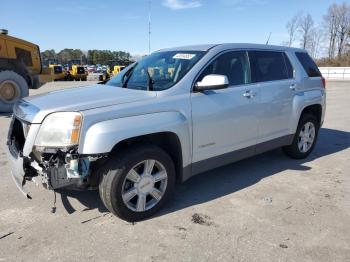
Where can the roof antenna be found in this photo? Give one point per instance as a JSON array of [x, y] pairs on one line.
[[268, 39]]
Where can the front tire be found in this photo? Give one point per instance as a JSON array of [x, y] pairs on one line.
[[304, 139], [137, 183]]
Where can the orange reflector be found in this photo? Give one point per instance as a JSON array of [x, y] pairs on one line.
[[76, 130]]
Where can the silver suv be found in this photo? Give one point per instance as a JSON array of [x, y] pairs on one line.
[[172, 115]]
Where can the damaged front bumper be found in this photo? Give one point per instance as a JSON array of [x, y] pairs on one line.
[[17, 170], [53, 168]]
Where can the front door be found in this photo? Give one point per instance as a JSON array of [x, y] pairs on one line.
[[225, 120]]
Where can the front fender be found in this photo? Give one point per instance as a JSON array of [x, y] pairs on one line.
[[103, 136]]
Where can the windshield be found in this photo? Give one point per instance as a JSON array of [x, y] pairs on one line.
[[159, 71]]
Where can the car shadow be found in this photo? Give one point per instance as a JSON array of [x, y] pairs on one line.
[[230, 178]]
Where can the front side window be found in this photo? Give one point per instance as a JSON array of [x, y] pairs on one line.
[[233, 64], [159, 71], [268, 66]]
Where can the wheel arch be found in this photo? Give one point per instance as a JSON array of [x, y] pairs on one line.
[[314, 109], [168, 130], [168, 141]]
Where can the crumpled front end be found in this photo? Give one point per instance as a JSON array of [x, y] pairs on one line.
[[53, 167]]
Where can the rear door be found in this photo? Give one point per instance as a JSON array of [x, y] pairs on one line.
[[272, 71]]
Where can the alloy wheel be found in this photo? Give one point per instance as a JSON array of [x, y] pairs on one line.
[[306, 137], [144, 185]]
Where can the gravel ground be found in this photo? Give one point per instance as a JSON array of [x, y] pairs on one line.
[[266, 208]]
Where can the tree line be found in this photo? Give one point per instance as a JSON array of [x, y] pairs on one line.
[[329, 39], [103, 57]]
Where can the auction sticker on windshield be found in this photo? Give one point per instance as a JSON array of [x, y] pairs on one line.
[[184, 56]]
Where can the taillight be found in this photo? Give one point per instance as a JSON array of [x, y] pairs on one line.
[[324, 82]]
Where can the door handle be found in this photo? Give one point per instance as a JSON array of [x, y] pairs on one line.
[[293, 87], [248, 94]]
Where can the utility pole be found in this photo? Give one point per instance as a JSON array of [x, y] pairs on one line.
[[149, 26]]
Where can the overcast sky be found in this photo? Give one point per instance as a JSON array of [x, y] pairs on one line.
[[123, 25]]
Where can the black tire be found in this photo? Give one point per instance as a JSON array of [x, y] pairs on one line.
[[20, 88], [116, 169], [35, 82], [293, 150]]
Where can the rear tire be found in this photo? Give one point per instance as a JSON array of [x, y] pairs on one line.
[[151, 189], [13, 87], [305, 137]]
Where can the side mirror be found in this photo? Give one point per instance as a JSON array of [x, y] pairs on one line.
[[212, 82]]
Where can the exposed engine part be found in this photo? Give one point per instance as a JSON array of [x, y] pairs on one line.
[[76, 166]]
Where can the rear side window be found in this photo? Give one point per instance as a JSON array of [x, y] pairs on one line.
[[308, 64], [268, 66], [24, 56]]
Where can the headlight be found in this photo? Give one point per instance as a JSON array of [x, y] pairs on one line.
[[59, 130]]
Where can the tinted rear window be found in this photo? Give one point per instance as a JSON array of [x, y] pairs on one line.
[[308, 64], [268, 66]]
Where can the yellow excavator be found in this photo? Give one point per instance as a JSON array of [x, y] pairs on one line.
[[20, 69]]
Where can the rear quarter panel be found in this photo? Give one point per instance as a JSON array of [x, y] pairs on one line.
[[309, 91]]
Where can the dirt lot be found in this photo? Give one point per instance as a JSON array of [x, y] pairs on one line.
[[266, 208]]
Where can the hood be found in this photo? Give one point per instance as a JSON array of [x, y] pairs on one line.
[[79, 99]]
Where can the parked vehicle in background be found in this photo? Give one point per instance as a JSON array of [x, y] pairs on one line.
[[102, 73], [77, 72], [117, 69], [91, 69], [58, 72], [20, 67], [138, 134]]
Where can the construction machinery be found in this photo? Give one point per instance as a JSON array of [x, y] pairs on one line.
[[76, 71], [20, 67], [117, 69], [58, 72]]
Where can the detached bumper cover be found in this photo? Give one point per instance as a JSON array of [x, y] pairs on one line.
[[17, 170]]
